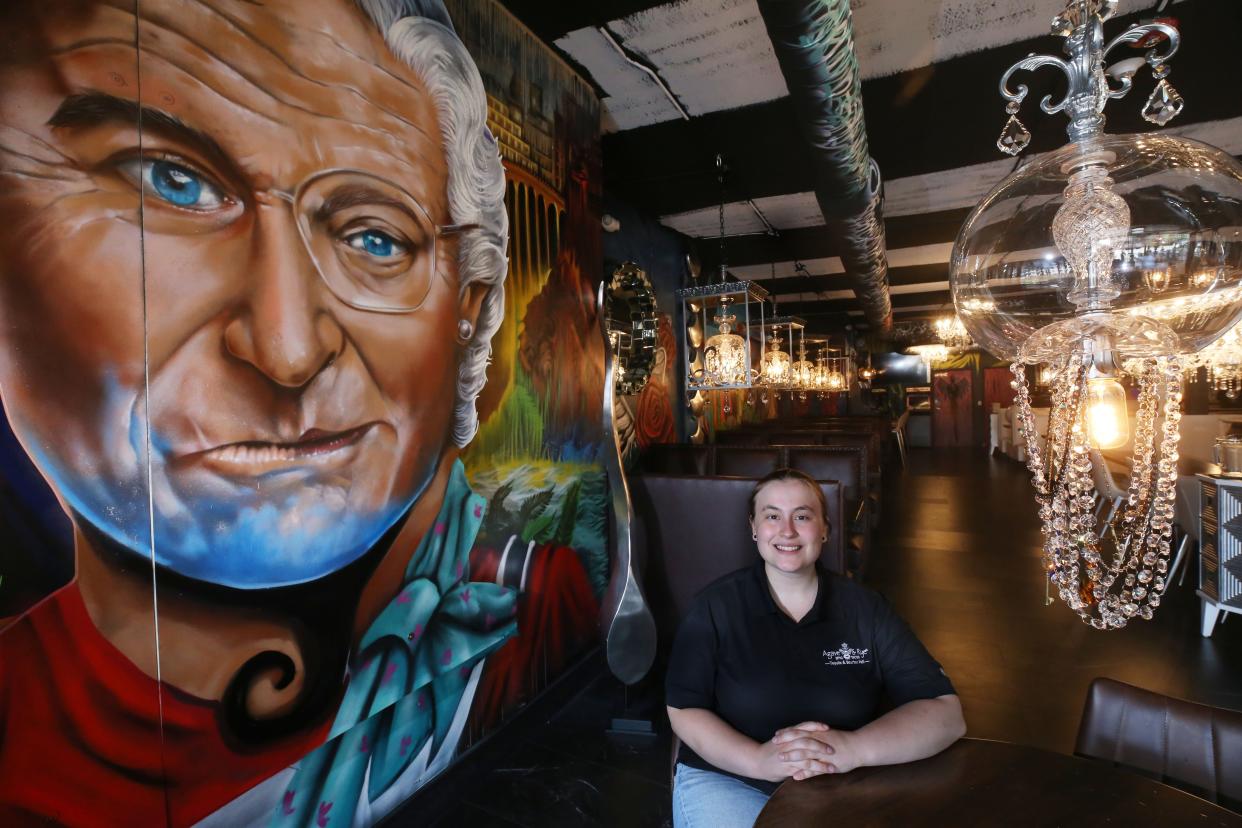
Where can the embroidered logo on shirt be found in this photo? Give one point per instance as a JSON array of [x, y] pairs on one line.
[[846, 655]]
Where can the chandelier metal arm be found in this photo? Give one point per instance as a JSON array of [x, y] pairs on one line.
[[1137, 33], [1082, 26], [1029, 64]]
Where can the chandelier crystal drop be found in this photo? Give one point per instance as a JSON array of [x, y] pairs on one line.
[[1114, 250]]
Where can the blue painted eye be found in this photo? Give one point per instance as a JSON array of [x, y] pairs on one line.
[[375, 243], [174, 183]]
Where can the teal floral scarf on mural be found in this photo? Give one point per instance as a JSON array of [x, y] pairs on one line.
[[408, 679]]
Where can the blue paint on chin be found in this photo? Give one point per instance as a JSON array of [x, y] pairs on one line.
[[242, 543], [249, 541]]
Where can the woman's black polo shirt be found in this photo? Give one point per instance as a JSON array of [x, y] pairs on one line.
[[739, 656]]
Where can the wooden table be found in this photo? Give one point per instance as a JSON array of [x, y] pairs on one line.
[[978, 782]]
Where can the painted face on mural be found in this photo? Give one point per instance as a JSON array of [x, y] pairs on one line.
[[286, 324]]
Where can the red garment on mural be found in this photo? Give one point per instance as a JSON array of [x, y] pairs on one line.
[[557, 618], [80, 740]]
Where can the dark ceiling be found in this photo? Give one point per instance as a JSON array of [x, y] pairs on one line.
[[925, 120]]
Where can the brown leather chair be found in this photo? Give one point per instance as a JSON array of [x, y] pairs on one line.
[[871, 461], [677, 458], [847, 464], [1190, 746], [740, 461], [693, 530]]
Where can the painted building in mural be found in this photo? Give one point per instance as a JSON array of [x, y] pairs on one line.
[[301, 379]]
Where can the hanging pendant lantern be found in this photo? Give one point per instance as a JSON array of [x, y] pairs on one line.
[[720, 319]]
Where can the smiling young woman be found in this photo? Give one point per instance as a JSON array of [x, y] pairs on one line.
[[778, 671]]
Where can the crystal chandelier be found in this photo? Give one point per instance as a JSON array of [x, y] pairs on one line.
[[803, 370], [1111, 248], [725, 356], [953, 333], [777, 367], [820, 378]]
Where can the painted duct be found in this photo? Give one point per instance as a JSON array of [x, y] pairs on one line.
[[814, 43]]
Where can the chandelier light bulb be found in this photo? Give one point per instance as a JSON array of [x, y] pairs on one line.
[[1158, 280], [724, 354], [776, 363], [1107, 424]]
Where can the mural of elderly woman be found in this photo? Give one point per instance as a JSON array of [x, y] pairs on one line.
[[251, 261]]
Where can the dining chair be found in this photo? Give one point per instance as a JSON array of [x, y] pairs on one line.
[[899, 431], [1191, 746], [1111, 495]]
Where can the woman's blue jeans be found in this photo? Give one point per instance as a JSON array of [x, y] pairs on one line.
[[705, 799]]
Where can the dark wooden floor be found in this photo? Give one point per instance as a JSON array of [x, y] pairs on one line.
[[958, 555]]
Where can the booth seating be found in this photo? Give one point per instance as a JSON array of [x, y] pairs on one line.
[[1190, 746], [846, 464], [746, 461], [678, 458], [689, 531]]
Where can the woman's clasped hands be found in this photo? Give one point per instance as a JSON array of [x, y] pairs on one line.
[[805, 750]]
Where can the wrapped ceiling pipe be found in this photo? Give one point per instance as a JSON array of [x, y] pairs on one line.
[[814, 43]]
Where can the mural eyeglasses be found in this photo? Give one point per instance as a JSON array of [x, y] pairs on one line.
[[372, 243]]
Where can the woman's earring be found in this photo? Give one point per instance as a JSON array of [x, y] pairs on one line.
[[465, 330], [754, 537]]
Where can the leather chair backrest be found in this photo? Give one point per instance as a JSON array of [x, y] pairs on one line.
[[863, 441], [740, 437], [697, 529], [848, 464], [677, 458], [744, 461], [801, 437], [1190, 746]]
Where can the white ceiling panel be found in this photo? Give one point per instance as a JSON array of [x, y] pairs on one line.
[[784, 212], [740, 219], [715, 54], [632, 97], [787, 212]]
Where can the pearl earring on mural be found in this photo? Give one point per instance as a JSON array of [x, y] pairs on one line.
[[465, 330]]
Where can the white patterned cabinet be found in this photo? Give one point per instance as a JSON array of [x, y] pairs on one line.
[[1220, 549]]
